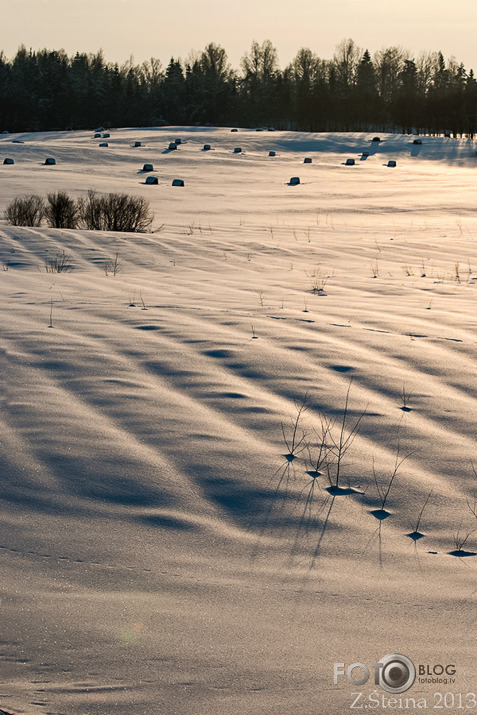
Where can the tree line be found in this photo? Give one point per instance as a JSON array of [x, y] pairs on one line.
[[390, 90]]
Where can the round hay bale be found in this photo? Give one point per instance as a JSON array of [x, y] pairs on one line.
[[232, 130], [49, 161], [307, 160], [237, 150], [349, 162], [148, 167], [417, 141], [206, 147], [178, 141], [106, 135], [152, 180], [136, 144], [391, 163], [172, 146], [103, 144], [97, 135], [365, 153], [271, 153], [294, 181], [177, 182], [8, 161], [376, 139]]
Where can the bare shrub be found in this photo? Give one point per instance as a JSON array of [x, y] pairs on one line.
[[126, 213], [112, 265], [460, 538], [415, 534], [383, 484], [27, 210], [61, 210], [59, 264], [115, 212], [90, 212], [337, 438], [319, 281], [295, 441]]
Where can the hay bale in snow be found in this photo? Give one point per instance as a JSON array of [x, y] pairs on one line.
[[307, 160], [148, 167], [172, 146], [417, 141], [234, 130], [49, 161], [271, 153], [8, 161], [391, 163], [294, 181], [17, 141], [97, 135], [177, 182], [152, 180], [99, 129], [376, 139], [106, 135], [178, 141], [136, 144], [103, 144], [349, 162], [237, 150], [206, 147]]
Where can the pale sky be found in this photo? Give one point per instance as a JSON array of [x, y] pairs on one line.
[[165, 28]]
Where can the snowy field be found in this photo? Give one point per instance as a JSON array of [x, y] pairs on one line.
[[161, 552]]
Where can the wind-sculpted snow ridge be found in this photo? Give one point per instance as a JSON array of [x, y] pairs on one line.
[[170, 540]]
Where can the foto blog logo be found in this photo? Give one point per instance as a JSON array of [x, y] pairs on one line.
[[394, 673]]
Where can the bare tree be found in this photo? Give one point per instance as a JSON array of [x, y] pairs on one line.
[[346, 60], [389, 64], [261, 63]]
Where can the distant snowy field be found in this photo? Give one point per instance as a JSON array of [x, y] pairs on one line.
[[159, 552]]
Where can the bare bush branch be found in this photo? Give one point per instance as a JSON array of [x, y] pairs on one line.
[[295, 442], [341, 442], [112, 265], [59, 263], [27, 210], [61, 210], [114, 212]]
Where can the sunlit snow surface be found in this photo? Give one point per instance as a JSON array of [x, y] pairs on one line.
[[159, 551]]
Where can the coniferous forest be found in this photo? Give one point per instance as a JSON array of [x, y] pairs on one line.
[[390, 90]]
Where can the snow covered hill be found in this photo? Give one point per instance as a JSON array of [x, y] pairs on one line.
[[161, 550]]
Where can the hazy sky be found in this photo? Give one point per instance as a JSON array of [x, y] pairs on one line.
[[165, 28]]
